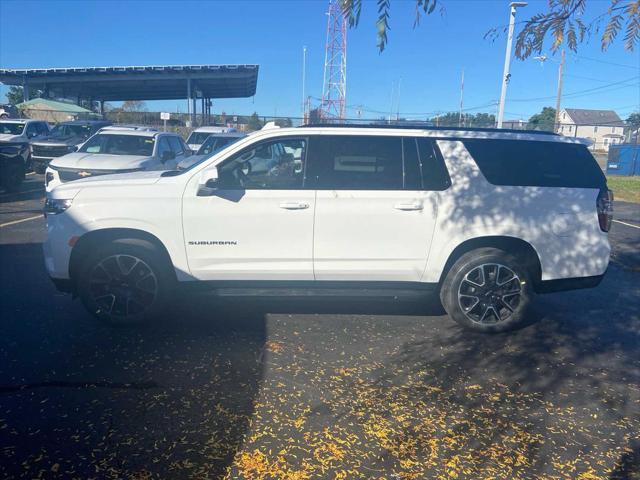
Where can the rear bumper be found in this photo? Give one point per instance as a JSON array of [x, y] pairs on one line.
[[564, 284]]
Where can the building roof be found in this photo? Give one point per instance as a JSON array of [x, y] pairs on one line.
[[160, 82], [581, 116], [53, 105]]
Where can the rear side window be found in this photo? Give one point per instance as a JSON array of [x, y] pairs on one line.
[[346, 162], [536, 164], [434, 172]]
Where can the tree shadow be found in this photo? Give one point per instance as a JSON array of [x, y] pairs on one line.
[[81, 399]]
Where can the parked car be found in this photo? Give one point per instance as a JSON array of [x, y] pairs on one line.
[[487, 219], [199, 135], [118, 150], [213, 144], [15, 149], [8, 111], [64, 138]]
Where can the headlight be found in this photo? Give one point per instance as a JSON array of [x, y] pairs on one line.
[[54, 206]]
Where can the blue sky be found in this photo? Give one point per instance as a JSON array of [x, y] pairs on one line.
[[426, 61]]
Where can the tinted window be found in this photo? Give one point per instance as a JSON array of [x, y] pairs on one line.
[[163, 146], [32, 129], [11, 128], [176, 146], [75, 130], [214, 144], [198, 138], [266, 165], [533, 163], [434, 172], [345, 162]]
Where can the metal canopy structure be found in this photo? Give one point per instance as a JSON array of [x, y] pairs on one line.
[[170, 82]]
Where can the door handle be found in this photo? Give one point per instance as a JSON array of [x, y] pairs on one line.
[[408, 206], [294, 205]]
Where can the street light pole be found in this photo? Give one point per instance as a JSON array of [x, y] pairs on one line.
[[507, 59]]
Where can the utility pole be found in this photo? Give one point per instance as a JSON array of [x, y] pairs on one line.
[[559, 94], [461, 98], [398, 100], [507, 58], [304, 74]]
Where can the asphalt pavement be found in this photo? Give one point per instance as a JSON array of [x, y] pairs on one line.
[[315, 388]]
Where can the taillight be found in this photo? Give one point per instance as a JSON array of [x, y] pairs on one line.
[[605, 209]]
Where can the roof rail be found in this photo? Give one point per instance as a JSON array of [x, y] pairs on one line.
[[141, 128], [423, 127]]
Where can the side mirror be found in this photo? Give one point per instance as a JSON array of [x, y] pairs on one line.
[[208, 184], [167, 155]]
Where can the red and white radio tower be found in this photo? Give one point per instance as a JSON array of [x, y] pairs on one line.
[[334, 86]]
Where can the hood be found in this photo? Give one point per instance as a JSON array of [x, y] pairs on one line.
[[62, 141], [99, 161], [71, 189], [7, 137]]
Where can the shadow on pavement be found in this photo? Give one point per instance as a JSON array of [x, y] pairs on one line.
[[80, 399]]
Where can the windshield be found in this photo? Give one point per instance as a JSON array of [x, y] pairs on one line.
[[195, 160], [119, 145], [198, 138], [62, 130], [11, 128], [214, 144]]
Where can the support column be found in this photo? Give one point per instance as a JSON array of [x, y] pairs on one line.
[[189, 101], [25, 90], [193, 113], [102, 108]]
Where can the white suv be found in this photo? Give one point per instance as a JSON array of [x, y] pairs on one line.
[[485, 218], [117, 149]]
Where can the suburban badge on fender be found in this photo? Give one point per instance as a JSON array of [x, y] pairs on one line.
[[213, 242]]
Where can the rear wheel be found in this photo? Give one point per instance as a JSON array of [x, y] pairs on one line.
[[125, 282], [487, 290]]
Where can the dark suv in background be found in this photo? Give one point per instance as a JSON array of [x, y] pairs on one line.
[[65, 138]]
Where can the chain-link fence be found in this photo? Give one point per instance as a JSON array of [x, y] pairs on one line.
[[601, 136]]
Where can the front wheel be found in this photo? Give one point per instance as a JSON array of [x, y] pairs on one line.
[[487, 290], [125, 282]]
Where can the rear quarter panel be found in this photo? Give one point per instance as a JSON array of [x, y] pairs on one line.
[[561, 224]]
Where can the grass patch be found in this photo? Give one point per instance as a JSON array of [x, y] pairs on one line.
[[625, 188]]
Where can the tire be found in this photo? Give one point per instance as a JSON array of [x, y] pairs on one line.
[[488, 290], [126, 282]]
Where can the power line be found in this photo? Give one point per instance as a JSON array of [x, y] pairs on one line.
[[635, 67], [581, 92]]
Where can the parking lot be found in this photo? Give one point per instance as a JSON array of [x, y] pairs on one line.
[[337, 388]]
